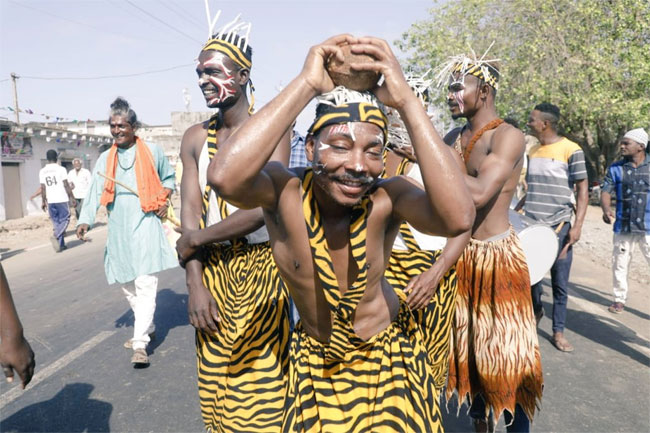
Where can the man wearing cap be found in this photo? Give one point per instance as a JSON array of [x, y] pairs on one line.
[[57, 195], [629, 180]]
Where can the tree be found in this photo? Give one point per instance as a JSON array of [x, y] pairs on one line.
[[589, 57]]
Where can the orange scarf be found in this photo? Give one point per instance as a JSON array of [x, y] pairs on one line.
[[150, 190]]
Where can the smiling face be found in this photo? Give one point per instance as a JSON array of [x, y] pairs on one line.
[[219, 78], [122, 131], [347, 159]]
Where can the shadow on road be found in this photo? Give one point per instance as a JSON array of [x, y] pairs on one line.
[[70, 410], [596, 297], [6, 252], [171, 311], [601, 330]]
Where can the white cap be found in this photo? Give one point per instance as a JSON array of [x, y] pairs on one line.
[[639, 135]]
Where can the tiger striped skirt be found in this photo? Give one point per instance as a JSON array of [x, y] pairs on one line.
[[435, 320], [494, 348], [384, 384], [242, 369]]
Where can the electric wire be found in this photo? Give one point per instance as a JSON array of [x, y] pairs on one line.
[[180, 12], [163, 22], [103, 77]]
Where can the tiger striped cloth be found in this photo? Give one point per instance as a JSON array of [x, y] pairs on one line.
[[243, 367], [494, 347], [384, 384], [436, 319]]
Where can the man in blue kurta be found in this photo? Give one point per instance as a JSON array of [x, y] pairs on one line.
[[133, 180]]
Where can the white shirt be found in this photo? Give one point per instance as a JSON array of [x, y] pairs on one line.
[[52, 176], [425, 242], [258, 236], [81, 181]]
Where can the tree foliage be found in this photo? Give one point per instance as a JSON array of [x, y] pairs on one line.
[[589, 57]]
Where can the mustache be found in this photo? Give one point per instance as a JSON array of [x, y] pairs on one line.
[[346, 177]]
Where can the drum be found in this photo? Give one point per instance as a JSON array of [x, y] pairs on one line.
[[539, 243]]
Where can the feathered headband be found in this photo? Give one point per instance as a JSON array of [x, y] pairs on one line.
[[397, 134], [231, 40], [343, 105], [464, 65]]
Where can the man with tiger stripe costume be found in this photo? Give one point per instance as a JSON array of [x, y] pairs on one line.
[[495, 364], [358, 360], [423, 266], [237, 301]]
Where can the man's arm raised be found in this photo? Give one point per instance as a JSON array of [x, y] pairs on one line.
[[237, 169], [449, 210]]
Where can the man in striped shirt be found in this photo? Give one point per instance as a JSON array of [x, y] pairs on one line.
[[555, 167]]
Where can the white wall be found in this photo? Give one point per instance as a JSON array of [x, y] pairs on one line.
[[3, 214]]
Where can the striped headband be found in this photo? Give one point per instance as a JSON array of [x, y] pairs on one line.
[[481, 67], [344, 105], [484, 71], [230, 50]]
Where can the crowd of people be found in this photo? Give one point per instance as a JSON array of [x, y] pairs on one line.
[[350, 279]]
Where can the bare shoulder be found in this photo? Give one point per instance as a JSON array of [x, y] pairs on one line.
[[281, 176], [387, 192], [194, 138], [509, 136]]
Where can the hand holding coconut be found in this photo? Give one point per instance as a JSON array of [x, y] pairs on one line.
[[314, 72], [394, 91]]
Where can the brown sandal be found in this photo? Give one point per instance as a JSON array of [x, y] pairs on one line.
[[562, 344], [139, 357]]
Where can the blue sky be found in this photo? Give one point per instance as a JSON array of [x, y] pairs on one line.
[[93, 38]]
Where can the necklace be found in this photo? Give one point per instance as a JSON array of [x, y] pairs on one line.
[[491, 125], [125, 168]]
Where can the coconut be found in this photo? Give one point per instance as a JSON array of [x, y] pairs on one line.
[[341, 74]]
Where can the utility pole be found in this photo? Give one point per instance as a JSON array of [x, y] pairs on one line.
[[14, 77]]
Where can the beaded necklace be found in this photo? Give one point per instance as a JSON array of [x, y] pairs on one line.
[[491, 125]]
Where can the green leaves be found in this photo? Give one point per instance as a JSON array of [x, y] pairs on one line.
[[589, 57]]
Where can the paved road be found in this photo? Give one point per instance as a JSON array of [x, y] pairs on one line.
[[77, 324]]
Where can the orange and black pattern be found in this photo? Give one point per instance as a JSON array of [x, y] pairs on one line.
[[494, 348], [384, 384], [242, 368]]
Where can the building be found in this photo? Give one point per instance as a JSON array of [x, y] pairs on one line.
[[24, 147], [23, 155]]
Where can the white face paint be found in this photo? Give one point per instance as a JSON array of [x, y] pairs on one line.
[[224, 85], [351, 129], [323, 146], [457, 88]]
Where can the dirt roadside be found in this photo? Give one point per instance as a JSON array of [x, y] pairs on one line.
[[595, 243]]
